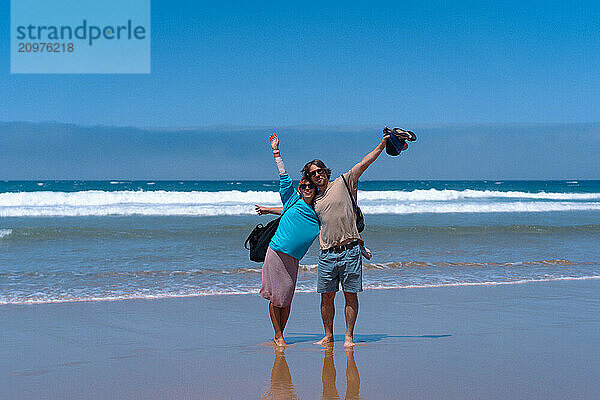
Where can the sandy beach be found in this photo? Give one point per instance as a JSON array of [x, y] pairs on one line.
[[533, 341], [144, 142]]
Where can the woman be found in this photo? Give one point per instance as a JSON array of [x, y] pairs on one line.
[[298, 228]]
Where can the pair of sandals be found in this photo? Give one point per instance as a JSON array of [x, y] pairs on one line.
[[396, 143]]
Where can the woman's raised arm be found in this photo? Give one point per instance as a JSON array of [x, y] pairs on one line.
[[286, 189], [275, 146]]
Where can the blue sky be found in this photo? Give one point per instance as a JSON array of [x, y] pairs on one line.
[[332, 63]]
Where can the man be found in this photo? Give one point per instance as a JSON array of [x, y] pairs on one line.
[[340, 259]]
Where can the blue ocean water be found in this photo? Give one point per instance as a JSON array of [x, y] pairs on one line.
[[111, 240]]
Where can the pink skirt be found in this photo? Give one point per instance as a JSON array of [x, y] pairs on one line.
[[279, 274]]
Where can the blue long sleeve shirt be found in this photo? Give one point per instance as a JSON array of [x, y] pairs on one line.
[[299, 224]]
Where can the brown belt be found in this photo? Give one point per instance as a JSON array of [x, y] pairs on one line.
[[339, 249]]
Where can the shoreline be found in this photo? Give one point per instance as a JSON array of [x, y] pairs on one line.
[[495, 342], [199, 295]]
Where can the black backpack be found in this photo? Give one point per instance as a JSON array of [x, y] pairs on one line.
[[259, 240], [360, 219], [261, 236]]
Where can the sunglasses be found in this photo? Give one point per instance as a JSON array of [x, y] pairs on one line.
[[319, 171], [306, 186]]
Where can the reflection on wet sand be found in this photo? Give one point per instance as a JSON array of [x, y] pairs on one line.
[[281, 380], [281, 386], [352, 376], [328, 377]]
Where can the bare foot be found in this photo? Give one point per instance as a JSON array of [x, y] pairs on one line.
[[348, 341], [279, 342], [326, 341], [279, 350]]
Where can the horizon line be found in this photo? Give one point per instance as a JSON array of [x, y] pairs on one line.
[[301, 126], [275, 180]]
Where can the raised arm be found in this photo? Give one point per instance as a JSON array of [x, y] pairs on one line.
[[286, 190], [367, 160], [285, 183], [278, 160]]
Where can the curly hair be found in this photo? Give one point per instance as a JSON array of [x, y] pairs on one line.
[[318, 163]]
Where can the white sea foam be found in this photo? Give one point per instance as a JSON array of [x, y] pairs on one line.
[[487, 283], [222, 210], [158, 197], [445, 195], [234, 202], [4, 300], [504, 207], [5, 232]]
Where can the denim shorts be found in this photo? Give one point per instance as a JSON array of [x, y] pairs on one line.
[[344, 267]]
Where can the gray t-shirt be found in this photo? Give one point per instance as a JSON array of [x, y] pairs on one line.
[[336, 213]]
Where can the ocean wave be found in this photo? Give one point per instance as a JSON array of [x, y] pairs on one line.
[[143, 294], [237, 231], [127, 197], [237, 209], [5, 232], [158, 197], [448, 195], [303, 268], [469, 208], [233, 202], [486, 283]]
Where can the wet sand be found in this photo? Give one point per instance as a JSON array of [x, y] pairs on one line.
[[533, 341]]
